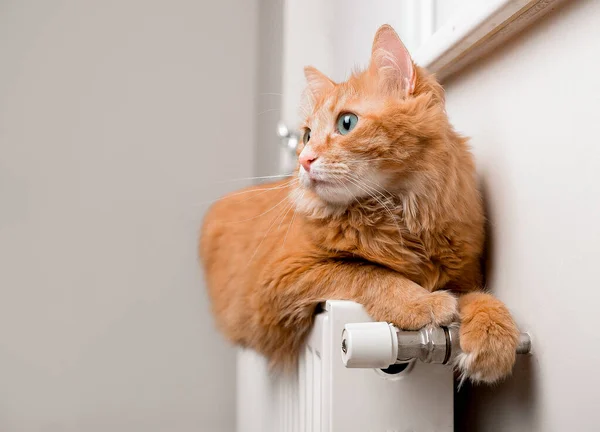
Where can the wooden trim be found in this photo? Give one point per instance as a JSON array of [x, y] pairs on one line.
[[472, 34]]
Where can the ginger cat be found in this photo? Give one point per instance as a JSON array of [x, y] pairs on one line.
[[383, 210]]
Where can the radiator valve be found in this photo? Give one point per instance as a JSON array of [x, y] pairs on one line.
[[380, 345]]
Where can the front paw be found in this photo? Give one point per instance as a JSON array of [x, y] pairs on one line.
[[488, 340], [437, 309]]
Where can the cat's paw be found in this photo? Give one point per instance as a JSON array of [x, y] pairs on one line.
[[488, 340], [443, 306], [437, 309]]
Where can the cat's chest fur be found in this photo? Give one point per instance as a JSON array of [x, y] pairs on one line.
[[387, 237]]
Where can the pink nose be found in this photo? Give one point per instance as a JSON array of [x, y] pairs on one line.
[[306, 159]]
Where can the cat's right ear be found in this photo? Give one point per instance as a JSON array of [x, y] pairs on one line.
[[391, 61], [318, 83]]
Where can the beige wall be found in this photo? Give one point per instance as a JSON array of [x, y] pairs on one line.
[[116, 118], [532, 110]]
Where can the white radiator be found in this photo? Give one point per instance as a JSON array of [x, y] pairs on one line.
[[325, 396]]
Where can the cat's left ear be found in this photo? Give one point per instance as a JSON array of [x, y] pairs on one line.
[[318, 83], [392, 62]]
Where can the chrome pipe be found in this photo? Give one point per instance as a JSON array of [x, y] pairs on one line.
[[379, 345]]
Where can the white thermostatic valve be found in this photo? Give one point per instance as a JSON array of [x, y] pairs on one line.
[[369, 345]]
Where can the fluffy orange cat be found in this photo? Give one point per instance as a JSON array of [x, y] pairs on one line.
[[383, 210]]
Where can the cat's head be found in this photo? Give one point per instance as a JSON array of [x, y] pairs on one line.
[[372, 134]]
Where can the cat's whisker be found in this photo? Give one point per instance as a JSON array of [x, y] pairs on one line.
[[364, 188], [380, 186], [292, 221], [333, 174], [264, 191], [374, 189], [255, 178], [338, 165], [261, 190], [360, 183], [328, 170], [270, 94], [359, 160], [340, 182], [260, 215], [268, 111], [283, 218], [269, 230], [328, 174]]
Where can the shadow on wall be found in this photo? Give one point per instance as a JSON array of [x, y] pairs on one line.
[[472, 402], [470, 399]]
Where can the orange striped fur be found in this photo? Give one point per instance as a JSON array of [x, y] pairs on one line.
[[388, 215]]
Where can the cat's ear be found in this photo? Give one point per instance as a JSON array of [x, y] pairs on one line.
[[318, 83], [392, 62]]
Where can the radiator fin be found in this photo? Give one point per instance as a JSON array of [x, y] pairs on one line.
[[299, 395]]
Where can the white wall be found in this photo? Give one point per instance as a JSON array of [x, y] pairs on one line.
[[355, 23], [532, 111], [335, 36], [116, 118], [269, 85], [307, 39]]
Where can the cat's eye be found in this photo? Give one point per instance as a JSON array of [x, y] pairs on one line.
[[306, 137], [346, 122]]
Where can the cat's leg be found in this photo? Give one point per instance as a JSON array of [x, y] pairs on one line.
[[284, 306], [398, 300], [488, 338]]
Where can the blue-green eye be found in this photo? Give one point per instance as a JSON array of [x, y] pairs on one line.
[[346, 122], [306, 136]]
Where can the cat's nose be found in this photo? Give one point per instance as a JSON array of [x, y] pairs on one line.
[[306, 159]]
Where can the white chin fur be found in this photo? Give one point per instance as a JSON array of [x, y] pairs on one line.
[[313, 205], [336, 193], [324, 199]]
